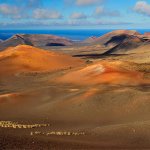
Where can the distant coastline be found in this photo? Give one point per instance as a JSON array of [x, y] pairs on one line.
[[77, 34]]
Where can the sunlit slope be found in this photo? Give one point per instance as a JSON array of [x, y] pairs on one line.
[[108, 72], [25, 58]]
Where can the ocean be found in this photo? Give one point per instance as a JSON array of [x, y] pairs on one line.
[[80, 34]]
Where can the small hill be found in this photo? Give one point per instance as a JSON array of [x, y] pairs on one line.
[[147, 34], [25, 58], [107, 72], [38, 40]]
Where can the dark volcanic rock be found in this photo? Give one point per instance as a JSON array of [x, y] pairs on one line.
[[115, 40], [55, 44]]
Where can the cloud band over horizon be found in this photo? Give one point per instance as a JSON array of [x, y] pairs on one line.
[[74, 14]]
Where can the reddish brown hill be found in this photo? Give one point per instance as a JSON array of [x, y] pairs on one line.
[[107, 72], [147, 34], [25, 58]]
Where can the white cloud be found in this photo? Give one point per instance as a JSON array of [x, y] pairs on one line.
[[10, 11], [142, 7], [101, 11], [46, 14], [69, 23], [14, 12], [77, 15], [6, 9], [87, 2]]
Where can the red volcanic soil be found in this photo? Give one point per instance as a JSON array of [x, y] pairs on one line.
[[147, 34], [25, 58], [106, 72]]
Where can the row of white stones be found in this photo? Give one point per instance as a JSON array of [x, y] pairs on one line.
[[10, 124], [58, 133]]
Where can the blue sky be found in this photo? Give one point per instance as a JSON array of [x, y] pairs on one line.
[[74, 14]]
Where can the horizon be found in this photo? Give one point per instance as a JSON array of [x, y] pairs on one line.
[[78, 29], [72, 34]]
